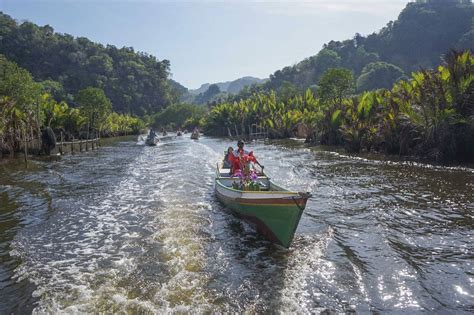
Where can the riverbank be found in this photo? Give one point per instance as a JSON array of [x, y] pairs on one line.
[[66, 147], [362, 155]]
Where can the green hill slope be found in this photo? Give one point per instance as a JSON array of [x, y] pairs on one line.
[[135, 82], [423, 32]]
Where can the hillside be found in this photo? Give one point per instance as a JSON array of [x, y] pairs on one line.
[[135, 82], [423, 32], [231, 87]]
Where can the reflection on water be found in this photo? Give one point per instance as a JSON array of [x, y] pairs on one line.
[[138, 229]]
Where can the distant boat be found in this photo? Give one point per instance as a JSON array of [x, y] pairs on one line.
[[195, 135], [179, 133], [151, 140], [274, 211]]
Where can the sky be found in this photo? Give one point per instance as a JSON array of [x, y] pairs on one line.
[[212, 41]]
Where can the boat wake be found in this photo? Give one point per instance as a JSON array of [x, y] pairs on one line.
[[133, 229]]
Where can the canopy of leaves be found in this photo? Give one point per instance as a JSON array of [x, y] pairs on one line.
[[135, 82], [430, 115], [18, 84], [179, 116], [335, 84], [423, 32], [27, 106], [378, 75], [95, 105]]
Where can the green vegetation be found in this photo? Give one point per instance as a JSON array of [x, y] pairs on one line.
[[83, 89], [179, 116], [209, 94], [135, 82], [27, 107], [95, 106], [430, 115], [378, 75], [423, 32]]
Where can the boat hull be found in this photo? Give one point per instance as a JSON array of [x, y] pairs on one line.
[[275, 214], [151, 142]]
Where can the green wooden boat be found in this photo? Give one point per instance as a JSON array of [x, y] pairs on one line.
[[273, 210]]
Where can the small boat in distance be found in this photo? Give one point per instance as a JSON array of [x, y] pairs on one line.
[[195, 134], [151, 139], [274, 210], [179, 133]]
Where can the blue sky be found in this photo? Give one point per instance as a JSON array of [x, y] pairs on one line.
[[212, 41]]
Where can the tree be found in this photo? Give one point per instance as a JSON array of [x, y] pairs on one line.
[[55, 89], [379, 75], [135, 82], [335, 85], [212, 91], [423, 32], [287, 91], [176, 115], [325, 60], [95, 105], [17, 83], [19, 97]]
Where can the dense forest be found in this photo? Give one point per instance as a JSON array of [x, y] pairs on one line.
[[384, 92], [135, 82], [430, 115], [27, 109], [423, 32]]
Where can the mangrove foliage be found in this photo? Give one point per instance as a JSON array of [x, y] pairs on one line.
[[28, 107], [430, 115]]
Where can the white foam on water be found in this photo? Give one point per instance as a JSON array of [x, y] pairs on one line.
[[81, 264], [305, 265], [84, 266], [184, 229], [156, 242], [404, 163]]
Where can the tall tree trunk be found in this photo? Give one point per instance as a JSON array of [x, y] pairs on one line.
[[25, 145]]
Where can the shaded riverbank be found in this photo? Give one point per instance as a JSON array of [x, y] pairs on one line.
[[138, 228]]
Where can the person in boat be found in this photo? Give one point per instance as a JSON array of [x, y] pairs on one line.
[[227, 158], [241, 158], [152, 134], [240, 148]]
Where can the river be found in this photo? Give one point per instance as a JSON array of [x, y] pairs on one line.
[[133, 229]]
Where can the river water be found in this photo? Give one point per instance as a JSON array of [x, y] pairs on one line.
[[130, 228]]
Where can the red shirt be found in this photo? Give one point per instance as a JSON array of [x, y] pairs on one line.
[[240, 160]]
